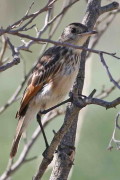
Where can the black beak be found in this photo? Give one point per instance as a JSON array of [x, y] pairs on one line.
[[93, 32], [89, 33]]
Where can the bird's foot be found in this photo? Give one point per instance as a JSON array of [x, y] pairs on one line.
[[46, 155], [77, 100]]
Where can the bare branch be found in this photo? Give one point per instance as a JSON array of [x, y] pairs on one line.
[[66, 44], [16, 59], [86, 101], [13, 98], [106, 92], [108, 72], [26, 14], [113, 139], [32, 16], [66, 6], [108, 20], [46, 25], [3, 49], [30, 159], [110, 7]]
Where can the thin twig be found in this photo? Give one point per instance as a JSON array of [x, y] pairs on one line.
[[108, 20], [14, 97], [26, 16], [66, 44], [3, 49], [110, 7], [16, 58], [106, 92], [113, 139], [15, 61], [108, 72]]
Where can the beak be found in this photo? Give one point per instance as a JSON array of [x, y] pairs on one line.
[[89, 33]]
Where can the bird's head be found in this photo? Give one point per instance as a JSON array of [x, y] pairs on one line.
[[76, 33]]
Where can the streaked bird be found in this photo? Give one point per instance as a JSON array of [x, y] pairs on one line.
[[52, 78]]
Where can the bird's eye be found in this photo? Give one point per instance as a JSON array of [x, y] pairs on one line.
[[73, 30]]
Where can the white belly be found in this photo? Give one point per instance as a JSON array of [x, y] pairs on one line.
[[56, 91]]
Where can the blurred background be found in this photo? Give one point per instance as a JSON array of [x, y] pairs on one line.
[[93, 160]]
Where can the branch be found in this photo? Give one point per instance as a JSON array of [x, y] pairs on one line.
[[108, 20], [106, 92], [26, 17], [13, 98], [81, 103], [15, 51], [110, 7], [113, 139], [108, 72], [66, 6], [3, 49], [65, 44], [16, 59], [27, 45]]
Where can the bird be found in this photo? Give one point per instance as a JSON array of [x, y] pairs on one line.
[[52, 78]]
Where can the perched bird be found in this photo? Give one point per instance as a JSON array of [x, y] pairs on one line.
[[52, 78]]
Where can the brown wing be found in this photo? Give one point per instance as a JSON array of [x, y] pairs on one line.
[[47, 67]]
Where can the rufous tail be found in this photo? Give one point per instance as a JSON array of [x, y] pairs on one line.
[[23, 122], [17, 137]]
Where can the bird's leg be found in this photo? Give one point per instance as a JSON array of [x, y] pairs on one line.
[[50, 109], [42, 129], [70, 99]]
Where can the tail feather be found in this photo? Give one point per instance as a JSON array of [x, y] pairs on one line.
[[22, 125], [19, 131], [15, 146]]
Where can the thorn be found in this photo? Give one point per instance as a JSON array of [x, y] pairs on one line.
[[54, 132], [92, 93], [36, 29], [23, 41], [114, 54]]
